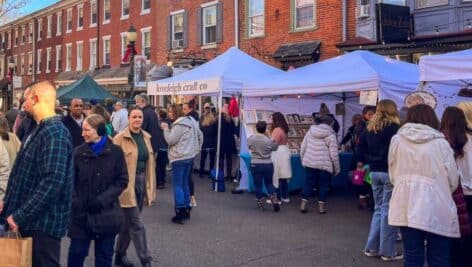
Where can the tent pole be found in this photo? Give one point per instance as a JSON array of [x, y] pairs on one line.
[[344, 114], [220, 105]]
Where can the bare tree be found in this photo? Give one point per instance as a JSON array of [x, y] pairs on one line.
[[11, 9]]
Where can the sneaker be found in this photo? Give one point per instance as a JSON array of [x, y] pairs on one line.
[[371, 253], [286, 200], [396, 257], [268, 201]]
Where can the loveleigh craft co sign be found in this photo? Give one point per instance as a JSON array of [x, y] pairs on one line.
[[198, 87]]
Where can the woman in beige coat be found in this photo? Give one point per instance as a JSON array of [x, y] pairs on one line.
[[136, 145]]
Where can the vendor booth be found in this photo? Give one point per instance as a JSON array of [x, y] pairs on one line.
[[86, 89], [345, 84], [446, 79]]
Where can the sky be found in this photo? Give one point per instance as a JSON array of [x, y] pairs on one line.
[[35, 5]]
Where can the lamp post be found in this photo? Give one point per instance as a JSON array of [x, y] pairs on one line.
[[11, 69], [131, 35]]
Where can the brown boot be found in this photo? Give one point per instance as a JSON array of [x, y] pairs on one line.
[[303, 206], [321, 207]]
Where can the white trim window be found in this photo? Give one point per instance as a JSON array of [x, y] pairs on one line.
[[80, 17], [39, 60], [2, 45], [80, 55], [22, 63], [30, 32], [40, 29], [48, 60], [69, 21], [68, 57], [23, 34], [93, 13], [8, 40], [256, 18], [146, 42], [177, 28], [106, 11], [93, 53], [59, 23], [49, 24], [30, 62], [124, 44], [209, 25], [145, 7], [304, 14], [124, 9], [58, 58], [106, 50], [430, 3], [15, 58], [16, 37]]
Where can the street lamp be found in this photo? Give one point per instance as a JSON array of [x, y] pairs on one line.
[[131, 35]]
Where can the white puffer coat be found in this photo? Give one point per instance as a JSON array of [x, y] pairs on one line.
[[319, 149]]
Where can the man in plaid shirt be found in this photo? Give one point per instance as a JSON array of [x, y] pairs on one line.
[[39, 191]]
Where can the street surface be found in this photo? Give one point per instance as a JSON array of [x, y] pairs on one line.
[[228, 230]]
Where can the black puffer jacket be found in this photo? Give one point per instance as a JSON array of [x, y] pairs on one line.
[[74, 129], [151, 126], [99, 178]]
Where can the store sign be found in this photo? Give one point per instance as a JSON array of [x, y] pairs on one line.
[[197, 87], [17, 81], [393, 23]]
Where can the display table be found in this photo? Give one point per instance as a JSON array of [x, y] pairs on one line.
[[298, 172]]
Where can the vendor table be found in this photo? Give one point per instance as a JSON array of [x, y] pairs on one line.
[[298, 172]]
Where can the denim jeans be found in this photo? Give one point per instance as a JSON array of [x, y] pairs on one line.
[[79, 248], [312, 176], [161, 164], [382, 236], [180, 174], [262, 173], [438, 248], [282, 191]]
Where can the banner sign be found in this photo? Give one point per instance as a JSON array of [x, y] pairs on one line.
[[139, 71], [198, 87], [368, 98], [17, 82]]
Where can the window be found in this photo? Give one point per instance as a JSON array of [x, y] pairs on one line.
[[16, 37], [68, 57], [177, 31], [80, 57], [49, 30], [58, 58], [146, 42], [38, 69], [304, 14], [398, 2], [124, 44], [7, 40], [93, 13], [430, 3], [22, 64], [124, 9], [23, 34], [146, 6], [2, 45], [106, 50], [30, 33], [40, 29], [15, 58], [69, 20], [80, 17], [209, 25], [93, 53], [48, 60], [256, 18], [106, 11], [30, 62], [59, 23]]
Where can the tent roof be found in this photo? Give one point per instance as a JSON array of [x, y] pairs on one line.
[[446, 67], [355, 71], [233, 68], [86, 89]]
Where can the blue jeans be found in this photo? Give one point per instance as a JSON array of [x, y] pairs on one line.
[[311, 178], [262, 173], [180, 174], [282, 191], [438, 248], [79, 248], [382, 236]]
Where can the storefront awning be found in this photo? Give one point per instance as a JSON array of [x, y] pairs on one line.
[[297, 51]]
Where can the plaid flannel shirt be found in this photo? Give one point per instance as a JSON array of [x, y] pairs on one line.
[[39, 189]]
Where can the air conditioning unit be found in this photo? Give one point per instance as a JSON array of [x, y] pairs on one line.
[[177, 44], [363, 11]]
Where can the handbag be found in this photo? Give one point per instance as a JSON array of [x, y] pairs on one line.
[[16, 251], [107, 222], [462, 214]]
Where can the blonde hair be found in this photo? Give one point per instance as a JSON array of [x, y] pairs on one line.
[[385, 114], [466, 107], [208, 119]]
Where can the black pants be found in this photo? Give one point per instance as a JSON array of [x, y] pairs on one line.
[[162, 161], [46, 249], [212, 153], [229, 163]]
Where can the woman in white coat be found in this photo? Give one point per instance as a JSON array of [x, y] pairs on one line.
[[281, 157], [424, 174]]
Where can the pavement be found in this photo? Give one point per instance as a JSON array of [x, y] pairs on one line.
[[227, 230]]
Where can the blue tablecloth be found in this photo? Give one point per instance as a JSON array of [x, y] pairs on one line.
[[298, 172]]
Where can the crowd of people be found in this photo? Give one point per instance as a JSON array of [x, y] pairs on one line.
[[100, 165]]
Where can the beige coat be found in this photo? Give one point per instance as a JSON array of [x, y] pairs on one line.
[[13, 146], [130, 149]]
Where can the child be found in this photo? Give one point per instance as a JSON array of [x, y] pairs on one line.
[[359, 186]]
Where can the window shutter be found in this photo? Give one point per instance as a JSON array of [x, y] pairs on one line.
[[169, 35], [185, 37], [199, 26], [219, 23]]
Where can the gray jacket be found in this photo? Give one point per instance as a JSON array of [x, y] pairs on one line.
[[184, 138], [119, 120]]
